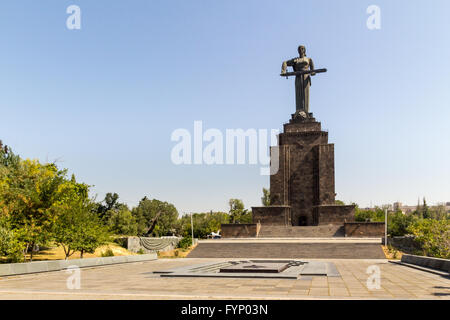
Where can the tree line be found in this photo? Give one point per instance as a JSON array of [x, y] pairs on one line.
[[40, 205], [430, 226]]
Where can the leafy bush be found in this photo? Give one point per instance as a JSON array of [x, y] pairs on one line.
[[161, 215], [246, 218], [140, 251], [363, 215], [204, 223], [398, 223], [78, 229], [433, 236], [185, 243], [121, 241], [121, 221], [108, 253], [10, 246]]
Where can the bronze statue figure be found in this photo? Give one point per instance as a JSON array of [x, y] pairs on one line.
[[303, 70]]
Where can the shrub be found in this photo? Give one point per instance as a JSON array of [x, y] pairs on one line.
[[185, 243], [78, 229], [376, 215], [108, 253], [122, 241], [140, 251], [10, 246], [204, 223], [433, 236], [121, 221], [398, 223]]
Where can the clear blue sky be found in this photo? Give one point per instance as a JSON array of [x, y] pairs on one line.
[[104, 100]]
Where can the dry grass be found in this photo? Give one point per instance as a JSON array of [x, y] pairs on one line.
[[57, 253], [392, 253], [176, 253]]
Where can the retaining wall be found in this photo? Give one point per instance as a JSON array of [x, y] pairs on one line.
[[9, 269], [244, 230], [428, 262], [364, 229]]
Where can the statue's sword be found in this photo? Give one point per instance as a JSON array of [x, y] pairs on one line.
[[299, 73]]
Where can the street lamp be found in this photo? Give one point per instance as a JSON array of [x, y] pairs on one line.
[[385, 226], [192, 229]]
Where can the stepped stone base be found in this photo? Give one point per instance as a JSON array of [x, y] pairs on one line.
[[364, 229], [301, 232], [244, 230], [288, 250], [272, 215]]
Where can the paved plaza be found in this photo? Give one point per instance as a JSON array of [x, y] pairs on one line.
[[136, 281]]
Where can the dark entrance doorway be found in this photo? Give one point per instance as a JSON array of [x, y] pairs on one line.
[[302, 221]]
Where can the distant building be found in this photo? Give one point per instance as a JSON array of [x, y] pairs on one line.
[[398, 206]]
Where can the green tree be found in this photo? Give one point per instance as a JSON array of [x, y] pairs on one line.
[[162, 214], [266, 197], [237, 210], [439, 212], [7, 157], [121, 221], [204, 223], [398, 223], [247, 217], [28, 194], [78, 229], [369, 215], [433, 236], [10, 245], [426, 213], [38, 204], [110, 202]]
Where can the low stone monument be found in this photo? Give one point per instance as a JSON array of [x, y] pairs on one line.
[[149, 245]]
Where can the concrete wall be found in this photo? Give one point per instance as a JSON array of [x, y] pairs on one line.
[[364, 229], [246, 230], [428, 262], [334, 214], [405, 244], [9, 269]]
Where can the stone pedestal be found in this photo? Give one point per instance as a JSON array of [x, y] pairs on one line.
[[304, 184]]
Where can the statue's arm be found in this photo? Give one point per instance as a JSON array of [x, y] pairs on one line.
[[311, 66], [285, 64]]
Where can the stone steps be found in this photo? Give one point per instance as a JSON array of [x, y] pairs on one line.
[[268, 231], [288, 250]]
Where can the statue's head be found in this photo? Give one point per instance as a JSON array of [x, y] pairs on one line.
[[301, 51]]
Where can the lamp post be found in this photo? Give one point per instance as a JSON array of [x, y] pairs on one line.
[[192, 229], [385, 226]]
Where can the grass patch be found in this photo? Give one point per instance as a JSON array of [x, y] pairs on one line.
[[391, 253], [176, 253], [57, 253]]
